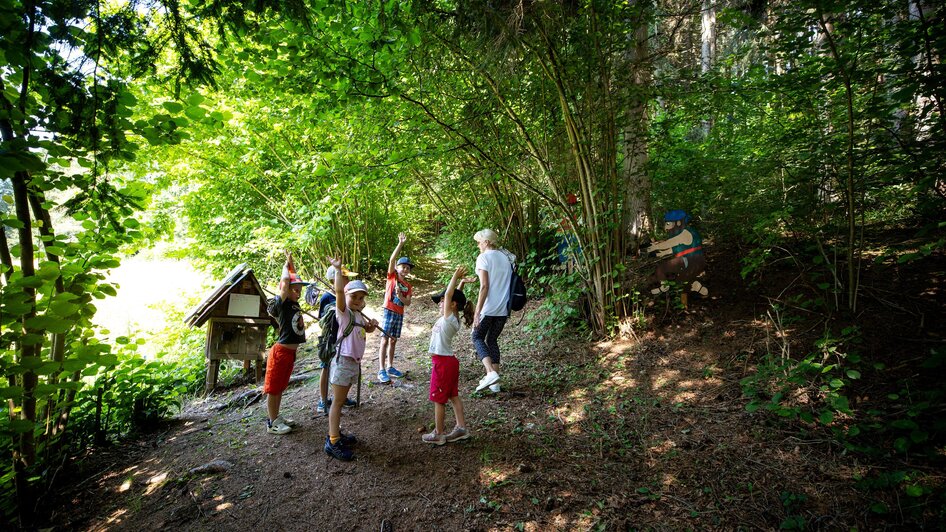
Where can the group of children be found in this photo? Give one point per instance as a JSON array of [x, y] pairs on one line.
[[342, 370]]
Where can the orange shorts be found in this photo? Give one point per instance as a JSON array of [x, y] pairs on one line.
[[278, 369]]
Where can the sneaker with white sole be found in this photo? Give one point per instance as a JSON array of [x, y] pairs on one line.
[[277, 426], [383, 377], [286, 420], [457, 434], [494, 388], [323, 406], [491, 378], [393, 372], [434, 438]]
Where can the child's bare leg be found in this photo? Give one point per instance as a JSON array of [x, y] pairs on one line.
[[273, 400], [392, 343], [323, 384], [335, 413], [382, 352], [458, 410], [439, 413]]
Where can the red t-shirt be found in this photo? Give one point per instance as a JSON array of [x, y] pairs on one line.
[[392, 297]]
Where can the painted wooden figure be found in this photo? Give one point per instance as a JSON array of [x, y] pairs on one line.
[[685, 248]]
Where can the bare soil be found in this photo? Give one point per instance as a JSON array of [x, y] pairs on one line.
[[650, 432]]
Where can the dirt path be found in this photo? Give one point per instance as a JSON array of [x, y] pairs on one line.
[[651, 433]]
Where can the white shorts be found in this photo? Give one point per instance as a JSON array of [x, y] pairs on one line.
[[344, 371]]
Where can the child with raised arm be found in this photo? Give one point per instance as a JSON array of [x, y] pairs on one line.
[[397, 295], [347, 361], [282, 356], [445, 373]]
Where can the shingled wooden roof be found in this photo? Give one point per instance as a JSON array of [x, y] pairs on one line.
[[201, 313]]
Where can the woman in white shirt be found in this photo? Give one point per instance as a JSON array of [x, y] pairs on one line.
[[494, 270]]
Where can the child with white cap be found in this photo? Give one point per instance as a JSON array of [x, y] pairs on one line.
[[327, 302], [347, 361]]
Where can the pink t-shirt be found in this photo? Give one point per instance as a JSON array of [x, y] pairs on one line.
[[354, 344]]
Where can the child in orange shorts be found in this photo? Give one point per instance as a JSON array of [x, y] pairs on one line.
[[282, 356]]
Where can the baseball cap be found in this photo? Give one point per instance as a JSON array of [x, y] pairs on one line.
[[330, 273], [676, 216], [355, 286], [458, 297], [405, 260], [295, 279]]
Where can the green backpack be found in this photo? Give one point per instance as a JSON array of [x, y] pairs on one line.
[[328, 340]]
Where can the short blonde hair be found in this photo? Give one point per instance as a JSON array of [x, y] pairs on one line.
[[486, 235]]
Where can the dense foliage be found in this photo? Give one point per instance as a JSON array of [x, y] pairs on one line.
[[328, 127]]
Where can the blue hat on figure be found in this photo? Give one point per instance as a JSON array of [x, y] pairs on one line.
[[405, 260], [676, 216]]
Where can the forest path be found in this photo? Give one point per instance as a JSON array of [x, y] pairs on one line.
[[650, 433]]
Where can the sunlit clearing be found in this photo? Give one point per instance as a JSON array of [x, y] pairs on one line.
[[125, 485], [224, 506]]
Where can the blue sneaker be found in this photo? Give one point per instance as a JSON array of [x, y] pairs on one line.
[[338, 450], [348, 440], [383, 377], [323, 406], [349, 402], [392, 371]]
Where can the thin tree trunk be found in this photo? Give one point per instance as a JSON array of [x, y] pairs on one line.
[[637, 181], [708, 56]]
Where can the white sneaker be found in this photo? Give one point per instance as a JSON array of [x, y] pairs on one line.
[[287, 420], [491, 378], [278, 426], [494, 388]]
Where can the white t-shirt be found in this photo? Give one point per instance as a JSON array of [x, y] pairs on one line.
[[497, 264], [441, 336]]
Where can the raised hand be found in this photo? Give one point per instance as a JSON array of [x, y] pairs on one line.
[[401, 237]]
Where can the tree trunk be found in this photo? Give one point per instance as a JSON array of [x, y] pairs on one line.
[[708, 57], [636, 180]]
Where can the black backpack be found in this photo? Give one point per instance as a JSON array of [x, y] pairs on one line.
[[328, 340], [517, 291]]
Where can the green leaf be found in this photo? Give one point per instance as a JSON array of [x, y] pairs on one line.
[[11, 392], [21, 426], [173, 107], [914, 490], [853, 374], [826, 417], [108, 289]]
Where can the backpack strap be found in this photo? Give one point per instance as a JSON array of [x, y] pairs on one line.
[[347, 332]]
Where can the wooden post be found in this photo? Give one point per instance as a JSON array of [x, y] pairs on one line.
[[211, 379]]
